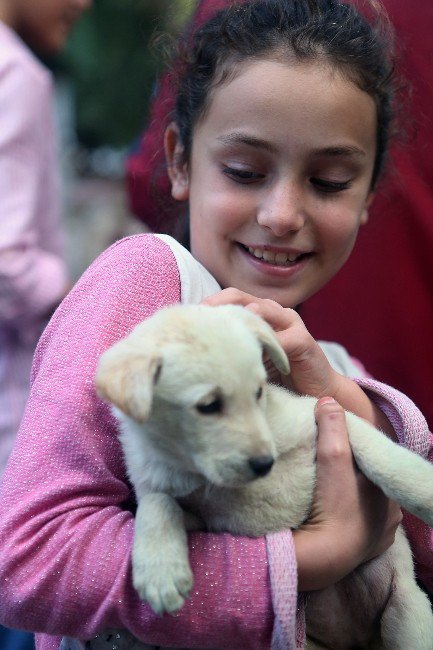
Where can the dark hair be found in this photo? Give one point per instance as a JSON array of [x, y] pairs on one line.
[[329, 30]]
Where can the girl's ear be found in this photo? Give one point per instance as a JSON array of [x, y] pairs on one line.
[[364, 215], [177, 168]]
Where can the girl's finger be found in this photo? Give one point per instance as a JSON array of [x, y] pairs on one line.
[[230, 296], [278, 317], [333, 441], [291, 332]]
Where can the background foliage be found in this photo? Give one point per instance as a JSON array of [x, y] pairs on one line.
[[113, 69]]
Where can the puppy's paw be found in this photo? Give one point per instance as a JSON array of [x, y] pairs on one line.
[[164, 585]]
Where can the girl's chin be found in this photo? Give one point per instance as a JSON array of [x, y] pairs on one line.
[[286, 294]]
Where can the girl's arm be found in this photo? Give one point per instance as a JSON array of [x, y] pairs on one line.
[[65, 561], [340, 534], [64, 523], [386, 408]]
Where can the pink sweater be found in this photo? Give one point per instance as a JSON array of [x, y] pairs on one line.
[[64, 521]]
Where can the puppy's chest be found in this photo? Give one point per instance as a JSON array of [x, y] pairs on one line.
[[278, 501]]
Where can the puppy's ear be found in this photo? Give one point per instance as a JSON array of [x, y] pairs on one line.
[[266, 336], [272, 346], [126, 379]]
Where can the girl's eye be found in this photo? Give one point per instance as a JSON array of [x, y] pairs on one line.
[[242, 175], [329, 186]]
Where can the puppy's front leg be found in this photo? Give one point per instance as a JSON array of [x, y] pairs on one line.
[[160, 566]]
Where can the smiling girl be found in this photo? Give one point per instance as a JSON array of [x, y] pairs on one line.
[[275, 146], [278, 182]]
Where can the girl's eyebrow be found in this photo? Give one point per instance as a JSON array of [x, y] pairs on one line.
[[250, 140], [253, 141], [340, 150]]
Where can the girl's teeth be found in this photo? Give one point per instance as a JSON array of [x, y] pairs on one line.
[[281, 258], [273, 258]]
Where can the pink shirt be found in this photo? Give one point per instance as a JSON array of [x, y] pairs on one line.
[[64, 518], [32, 270]]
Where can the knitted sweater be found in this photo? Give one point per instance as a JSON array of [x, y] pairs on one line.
[[65, 519]]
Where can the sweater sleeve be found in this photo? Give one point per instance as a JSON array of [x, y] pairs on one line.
[[412, 431], [66, 529], [32, 269]]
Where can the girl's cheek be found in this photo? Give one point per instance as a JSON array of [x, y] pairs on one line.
[[339, 230], [343, 219], [344, 239], [228, 211]]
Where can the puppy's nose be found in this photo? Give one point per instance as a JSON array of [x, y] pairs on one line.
[[261, 465]]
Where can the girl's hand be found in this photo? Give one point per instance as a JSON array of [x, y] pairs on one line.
[[351, 520], [310, 370]]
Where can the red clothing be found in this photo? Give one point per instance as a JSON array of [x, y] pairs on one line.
[[384, 293]]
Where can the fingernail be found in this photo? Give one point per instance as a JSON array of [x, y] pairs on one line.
[[325, 400]]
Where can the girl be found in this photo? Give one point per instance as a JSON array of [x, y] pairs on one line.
[[278, 138]]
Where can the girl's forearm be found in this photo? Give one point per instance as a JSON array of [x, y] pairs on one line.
[[323, 559]]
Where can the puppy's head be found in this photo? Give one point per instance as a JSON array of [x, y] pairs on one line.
[[195, 375]]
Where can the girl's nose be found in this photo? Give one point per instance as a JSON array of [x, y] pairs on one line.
[[281, 210]]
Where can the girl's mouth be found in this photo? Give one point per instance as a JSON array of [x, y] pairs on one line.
[[275, 258]]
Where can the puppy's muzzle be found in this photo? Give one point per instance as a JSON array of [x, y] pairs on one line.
[[261, 465]]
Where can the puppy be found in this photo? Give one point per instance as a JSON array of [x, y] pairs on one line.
[[201, 427]]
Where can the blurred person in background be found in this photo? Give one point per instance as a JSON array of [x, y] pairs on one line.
[[386, 287], [33, 275]]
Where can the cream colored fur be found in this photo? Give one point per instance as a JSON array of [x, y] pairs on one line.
[[196, 415]]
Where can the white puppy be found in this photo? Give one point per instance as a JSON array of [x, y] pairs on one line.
[[201, 426]]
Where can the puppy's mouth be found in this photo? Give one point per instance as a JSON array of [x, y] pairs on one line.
[[232, 482], [218, 479], [232, 478]]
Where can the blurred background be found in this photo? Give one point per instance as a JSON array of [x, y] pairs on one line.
[[104, 81]]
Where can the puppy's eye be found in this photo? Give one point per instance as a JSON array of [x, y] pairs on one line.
[[216, 406], [259, 393]]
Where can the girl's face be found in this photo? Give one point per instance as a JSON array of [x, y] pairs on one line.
[[45, 24], [279, 178]]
